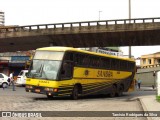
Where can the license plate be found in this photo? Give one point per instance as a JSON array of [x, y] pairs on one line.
[[37, 90]]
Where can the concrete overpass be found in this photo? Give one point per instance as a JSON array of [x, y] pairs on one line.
[[122, 32]]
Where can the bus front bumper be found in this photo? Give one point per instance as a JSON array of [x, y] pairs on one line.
[[42, 90]]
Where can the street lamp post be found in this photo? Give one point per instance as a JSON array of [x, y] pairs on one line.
[[130, 54], [129, 9], [99, 14]]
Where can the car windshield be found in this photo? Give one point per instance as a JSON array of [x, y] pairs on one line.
[[1, 76], [21, 73]]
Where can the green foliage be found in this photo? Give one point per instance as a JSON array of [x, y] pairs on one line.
[[158, 98]]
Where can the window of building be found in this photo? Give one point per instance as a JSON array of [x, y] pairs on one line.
[[158, 61], [144, 61], [149, 61]]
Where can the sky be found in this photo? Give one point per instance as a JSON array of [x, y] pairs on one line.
[[30, 12]]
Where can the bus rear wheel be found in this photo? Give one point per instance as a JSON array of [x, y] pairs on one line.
[[74, 94], [113, 91], [120, 91]]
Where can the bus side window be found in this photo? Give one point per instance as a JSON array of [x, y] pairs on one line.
[[67, 70]]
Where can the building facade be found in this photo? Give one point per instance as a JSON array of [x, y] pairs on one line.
[[150, 60], [2, 18], [149, 65], [14, 61]]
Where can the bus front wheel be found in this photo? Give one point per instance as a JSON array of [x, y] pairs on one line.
[[49, 97], [74, 94]]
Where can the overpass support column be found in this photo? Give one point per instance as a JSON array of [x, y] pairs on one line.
[[130, 52]]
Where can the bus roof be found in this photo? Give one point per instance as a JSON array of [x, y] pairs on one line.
[[82, 51]]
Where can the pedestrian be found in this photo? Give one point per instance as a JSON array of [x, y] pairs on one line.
[[12, 80], [139, 83], [136, 84], [4, 86]]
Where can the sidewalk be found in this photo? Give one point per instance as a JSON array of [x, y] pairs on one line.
[[149, 103]]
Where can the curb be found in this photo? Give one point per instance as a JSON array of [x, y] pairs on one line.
[[144, 89], [144, 108]]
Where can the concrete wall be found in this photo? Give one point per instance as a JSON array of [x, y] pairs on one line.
[[146, 75], [147, 78]]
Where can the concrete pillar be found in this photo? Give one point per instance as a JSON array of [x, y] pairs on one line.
[[152, 61], [158, 83], [147, 61], [142, 62]]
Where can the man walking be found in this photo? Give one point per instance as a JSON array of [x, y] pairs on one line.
[[139, 83], [12, 80]]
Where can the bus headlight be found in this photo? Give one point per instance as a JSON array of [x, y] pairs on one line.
[[55, 89], [28, 86], [46, 89], [51, 89]]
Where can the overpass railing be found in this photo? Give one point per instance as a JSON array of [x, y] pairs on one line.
[[79, 25]]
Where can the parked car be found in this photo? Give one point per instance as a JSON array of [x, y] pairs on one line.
[[4, 80], [21, 78]]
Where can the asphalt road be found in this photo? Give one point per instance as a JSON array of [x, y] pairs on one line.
[[20, 100]]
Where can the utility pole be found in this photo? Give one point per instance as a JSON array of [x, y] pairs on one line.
[[130, 50], [99, 14]]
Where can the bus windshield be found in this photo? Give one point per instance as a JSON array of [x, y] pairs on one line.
[[48, 55], [45, 65]]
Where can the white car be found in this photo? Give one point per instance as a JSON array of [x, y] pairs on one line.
[[21, 78], [4, 80]]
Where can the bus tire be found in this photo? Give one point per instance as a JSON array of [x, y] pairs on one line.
[[113, 91], [120, 91], [49, 97], [74, 94]]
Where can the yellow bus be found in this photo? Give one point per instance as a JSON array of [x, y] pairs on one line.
[[66, 71], [28, 62]]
